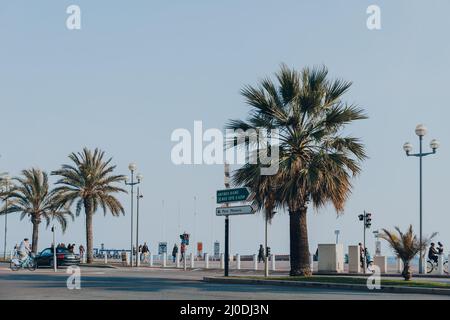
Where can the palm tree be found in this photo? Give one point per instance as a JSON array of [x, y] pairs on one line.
[[406, 246], [90, 183], [30, 196], [316, 161]]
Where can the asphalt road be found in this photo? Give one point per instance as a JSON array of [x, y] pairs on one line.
[[145, 283]]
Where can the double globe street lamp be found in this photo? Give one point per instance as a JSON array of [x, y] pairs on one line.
[[421, 131], [6, 184], [132, 167]]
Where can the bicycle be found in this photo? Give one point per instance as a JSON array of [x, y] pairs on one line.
[[29, 263], [431, 266]]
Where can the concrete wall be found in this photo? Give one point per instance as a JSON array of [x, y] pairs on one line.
[[331, 258], [381, 262], [354, 263]]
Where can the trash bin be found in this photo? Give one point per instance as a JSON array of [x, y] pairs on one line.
[[124, 258]]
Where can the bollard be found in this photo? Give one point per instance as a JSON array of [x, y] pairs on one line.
[[424, 265], [255, 262], [399, 265], [222, 261], [238, 261], [106, 258], [11, 255], [150, 259], [273, 259], [441, 264], [164, 262], [192, 260], [128, 258], [178, 260], [206, 261]]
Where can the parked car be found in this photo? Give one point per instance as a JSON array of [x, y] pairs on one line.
[[63, 258]]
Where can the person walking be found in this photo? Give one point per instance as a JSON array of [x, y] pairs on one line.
[[81, 250], [182, 251], [144, 251], [174, 252], [261, 253]]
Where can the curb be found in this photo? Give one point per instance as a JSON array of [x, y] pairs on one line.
[[359, 287], [107, 266]]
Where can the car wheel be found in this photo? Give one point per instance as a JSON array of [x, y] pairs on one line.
[[51, 263]]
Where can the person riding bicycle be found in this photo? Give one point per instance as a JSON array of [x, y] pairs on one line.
[[24, 249], [440, 248], [368, 257], [433, 253]]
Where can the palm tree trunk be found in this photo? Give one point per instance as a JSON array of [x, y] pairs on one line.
[[35, 235], [299, 247], [89, 233]]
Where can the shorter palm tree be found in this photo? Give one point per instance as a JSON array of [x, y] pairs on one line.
[[30, 196], [406, 246]]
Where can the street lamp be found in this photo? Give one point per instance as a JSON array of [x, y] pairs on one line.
[[421, 131], [266, 260], [132, 167], [6, 185], [139, 178], [337, 232]]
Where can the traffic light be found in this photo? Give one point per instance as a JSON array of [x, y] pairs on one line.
[[368, 220], [361, 217], [268, 252], [184, 238]]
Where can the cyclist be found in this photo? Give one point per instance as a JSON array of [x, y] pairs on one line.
[[433, 253], [368, 257], [440, 248], [24, 249]]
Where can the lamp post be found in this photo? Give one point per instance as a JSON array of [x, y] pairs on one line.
[[421, 131], [139, 178], [132, 167], [337, 232], [6, 183], [266, 258]]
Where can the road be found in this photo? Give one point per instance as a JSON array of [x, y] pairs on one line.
[[157, 284]]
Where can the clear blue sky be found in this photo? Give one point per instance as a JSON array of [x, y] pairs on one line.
[[138, 70]]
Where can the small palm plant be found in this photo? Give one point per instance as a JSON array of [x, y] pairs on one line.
[[406, 246]]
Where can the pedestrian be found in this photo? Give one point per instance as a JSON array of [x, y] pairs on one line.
[[174, 252], [261, 253], [81, 250], [362, 254], [144, 251], [69, 247], [182, 251]]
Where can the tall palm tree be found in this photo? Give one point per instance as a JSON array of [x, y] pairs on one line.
[[90, 183], [31, 196], [316, 160], [406, 246]]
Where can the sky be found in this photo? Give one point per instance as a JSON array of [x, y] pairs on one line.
[[136, 71]]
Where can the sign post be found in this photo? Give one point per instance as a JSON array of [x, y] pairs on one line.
[[228, 196]]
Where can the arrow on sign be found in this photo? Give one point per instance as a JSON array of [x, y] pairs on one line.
[[233, 195], [234, 211]]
